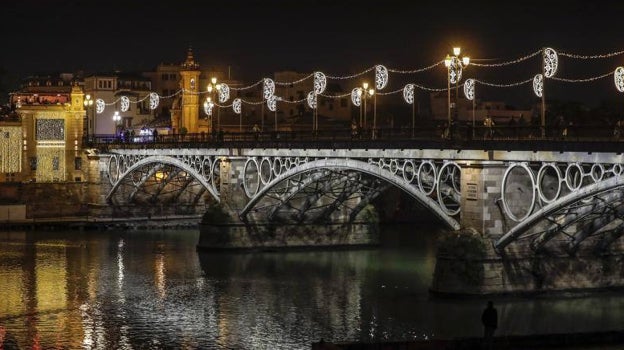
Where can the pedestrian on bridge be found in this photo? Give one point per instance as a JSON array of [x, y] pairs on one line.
[[489, 131]]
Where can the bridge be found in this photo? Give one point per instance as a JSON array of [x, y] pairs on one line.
[[529, 192]]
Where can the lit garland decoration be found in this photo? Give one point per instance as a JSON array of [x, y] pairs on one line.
[[507, 63], [224, 93], [469, 89], [408, 93], [550, 62], [356, 96], [100, 105], [618, 77], [312, 99], [538, 85], [455, 70], [352, 75], [587, 57], [286, 83], [268, 88], [418, 70], [236, 105], [320, 82], [504, 85], [208, 105], [381, 76], [125, 103], [582, 80], [154, 99], [272, 103]]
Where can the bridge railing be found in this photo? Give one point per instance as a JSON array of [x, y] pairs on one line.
[[586, 137]]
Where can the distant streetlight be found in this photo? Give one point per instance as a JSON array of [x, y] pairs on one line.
[[454, 65], [88, 103], [212, 87], [366, 93], [117, 121]]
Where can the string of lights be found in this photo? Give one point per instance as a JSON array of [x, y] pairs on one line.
[[336, 96], [582, 80], [390, 92], [588, 57], [503, 85], [345, 77], [412, 71], [507, 63], [296, 81], [248, 86]]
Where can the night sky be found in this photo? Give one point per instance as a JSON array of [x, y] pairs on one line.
[[256, 38]]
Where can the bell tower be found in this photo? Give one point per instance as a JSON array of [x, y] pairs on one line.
[[190, 94]]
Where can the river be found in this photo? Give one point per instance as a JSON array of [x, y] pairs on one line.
[[153, 290]]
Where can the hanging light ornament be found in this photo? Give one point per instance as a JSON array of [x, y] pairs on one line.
[[125, 103], [268, 88], [455, 70], [236, 105], [224, 93], [618, 77], [469, 89], [312, 99], [208, 107], [272, 103], [154, 100], [320, 82], [381, 76], [100, 105], [538, 84], [408, 93], [356, 96], [551, 61]]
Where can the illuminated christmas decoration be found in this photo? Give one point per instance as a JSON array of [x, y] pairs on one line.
[[99, 106], [125, 103], [272, 103], [208, 105], [356, 96], [224, 93], [154, 99], [618, 77], [320, 82], [538, 85], [312, 99], [408, 93], [236, 105], [268, 88], [381, 76], [455, 70], [469, 89], [550, 62]]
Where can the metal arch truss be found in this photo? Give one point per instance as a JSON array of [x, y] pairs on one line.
[[149, 179], [314, 190], [581, 204]]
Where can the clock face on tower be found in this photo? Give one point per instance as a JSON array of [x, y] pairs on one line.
[[192, 84]]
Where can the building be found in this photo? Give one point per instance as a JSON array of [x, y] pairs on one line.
[[44, 139]]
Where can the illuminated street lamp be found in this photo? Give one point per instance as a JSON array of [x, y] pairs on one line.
[[117, 121], [88, 103], [454, 65], [366, 92], [212, 87]]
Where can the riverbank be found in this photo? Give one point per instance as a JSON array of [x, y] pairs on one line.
[[565, 341], [104, 223]]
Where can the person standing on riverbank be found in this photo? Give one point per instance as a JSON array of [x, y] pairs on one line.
[[489, 318]]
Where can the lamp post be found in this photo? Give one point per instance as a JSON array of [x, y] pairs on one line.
[[212, 87], [454, 65], [117, 121], [367, 93], [88, 103]]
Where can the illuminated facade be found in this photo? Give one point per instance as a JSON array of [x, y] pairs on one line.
[[49, 132]]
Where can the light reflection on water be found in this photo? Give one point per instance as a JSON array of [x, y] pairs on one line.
[[136, 290]]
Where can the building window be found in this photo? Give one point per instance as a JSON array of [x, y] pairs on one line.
[[78, 163], [55, 163], [33, 163]]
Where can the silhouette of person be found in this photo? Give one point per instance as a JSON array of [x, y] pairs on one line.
[[489, 318]]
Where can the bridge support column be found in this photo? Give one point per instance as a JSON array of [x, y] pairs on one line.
[[480, 194]]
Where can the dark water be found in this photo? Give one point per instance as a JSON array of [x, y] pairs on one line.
[[142, 290]]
